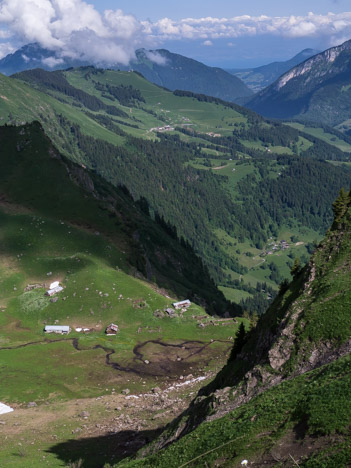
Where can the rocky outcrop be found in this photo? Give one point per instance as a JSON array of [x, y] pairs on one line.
[[320, 62], [285, 343], [81, 177]]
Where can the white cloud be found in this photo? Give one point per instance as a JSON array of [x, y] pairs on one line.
[[5, 49], [156, 57], [4, 34], [75, 29], [208, 43], [311, 25], [51, 62]]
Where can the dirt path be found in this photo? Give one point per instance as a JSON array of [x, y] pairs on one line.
[[220, 167]]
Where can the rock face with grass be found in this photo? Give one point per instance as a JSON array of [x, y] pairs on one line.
[[316, 90], [260, 77], [298, 347]]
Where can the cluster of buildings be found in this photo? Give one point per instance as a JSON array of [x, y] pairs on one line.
[[112, 328], [166, 128], [282, 245]]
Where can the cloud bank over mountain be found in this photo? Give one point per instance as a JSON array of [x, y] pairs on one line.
[[75, 29]]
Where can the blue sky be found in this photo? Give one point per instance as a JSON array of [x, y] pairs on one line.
[[157, 9], [244, 51], [227, 33]]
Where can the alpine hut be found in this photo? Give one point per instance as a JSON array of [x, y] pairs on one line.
[[60, 329], [112, 329]]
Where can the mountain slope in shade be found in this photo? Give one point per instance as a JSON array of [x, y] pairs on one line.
[[316, 90], [36, 176], [161, 67], [175, 71], [261, 77], [286, 385]]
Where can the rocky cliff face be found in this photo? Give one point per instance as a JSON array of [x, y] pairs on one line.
[[316, 90], [260, 77], [321, 65]]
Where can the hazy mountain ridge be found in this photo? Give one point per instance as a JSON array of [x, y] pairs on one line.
[[179, 72], [260, 77], [34, 56], [316, 90], [161, 67]]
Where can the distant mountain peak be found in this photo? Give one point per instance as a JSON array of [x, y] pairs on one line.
[[260, 77], [308, 52]]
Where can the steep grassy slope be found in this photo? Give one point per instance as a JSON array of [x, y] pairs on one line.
[[60, 222], [283, 394], [34, 175], [205, 166]]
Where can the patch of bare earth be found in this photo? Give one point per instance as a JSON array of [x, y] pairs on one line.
[[293, 448], [125, 414], [219, 167]]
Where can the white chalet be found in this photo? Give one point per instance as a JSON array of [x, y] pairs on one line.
[[51, 292], [60, 329], [112, 329], [182, 304]]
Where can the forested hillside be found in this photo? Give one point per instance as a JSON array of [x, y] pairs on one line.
[[174, 71], [58, 192], [224, 177]]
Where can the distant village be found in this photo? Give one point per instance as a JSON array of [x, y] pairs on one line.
[[276, 246], [166, 128]]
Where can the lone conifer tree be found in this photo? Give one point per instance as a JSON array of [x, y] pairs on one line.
[[340, 205], [240, 340]]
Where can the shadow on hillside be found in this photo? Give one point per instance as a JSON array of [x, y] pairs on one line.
[[95, 452]]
